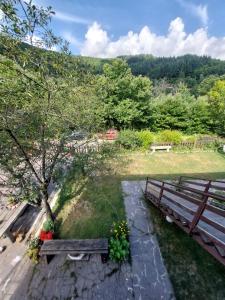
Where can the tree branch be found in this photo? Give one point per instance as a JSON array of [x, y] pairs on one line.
[[13, 137]]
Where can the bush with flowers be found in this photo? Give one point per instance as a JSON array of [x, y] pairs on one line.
[[118, 243]]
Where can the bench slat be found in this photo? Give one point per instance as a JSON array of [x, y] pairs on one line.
[[74, 246]]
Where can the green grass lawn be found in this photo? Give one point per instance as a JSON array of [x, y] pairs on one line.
[[87, 207], [91, 213], [172, 165]]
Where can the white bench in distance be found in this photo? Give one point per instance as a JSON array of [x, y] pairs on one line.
[[161, 147]]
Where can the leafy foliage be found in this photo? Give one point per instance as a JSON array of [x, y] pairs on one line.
[[190, 69], [217, 105], [43, 100], [118, 244], [48, 225], [146, 138], [124, 96], [171, 136], [129, 139], [33, 250]]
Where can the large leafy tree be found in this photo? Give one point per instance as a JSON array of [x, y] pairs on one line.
[[217, 106], [42, 100], [171, 111], [126, 98], [180, 111]]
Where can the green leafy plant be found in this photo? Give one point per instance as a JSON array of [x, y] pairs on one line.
[[170, 136], [129, 139], [146, 138], [119, 249], [48, 225], [118, 243], [33, 250]]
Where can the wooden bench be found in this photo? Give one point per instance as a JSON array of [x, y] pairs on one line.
[[73, 247], [160, 147]]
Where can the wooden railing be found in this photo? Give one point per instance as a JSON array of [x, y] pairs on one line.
[[216, 187], [191, 210]]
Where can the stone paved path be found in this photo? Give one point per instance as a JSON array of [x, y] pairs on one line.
[[63, 279], [150, 277]]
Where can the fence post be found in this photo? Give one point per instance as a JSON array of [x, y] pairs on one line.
[[179, 184], [207, 187], [199, 211], [146, 186], [161, 193]]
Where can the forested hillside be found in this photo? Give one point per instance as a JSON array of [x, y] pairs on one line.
[[190, 69]]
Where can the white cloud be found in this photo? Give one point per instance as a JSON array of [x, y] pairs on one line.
[[70, 18], [200, 11], [177, 42]]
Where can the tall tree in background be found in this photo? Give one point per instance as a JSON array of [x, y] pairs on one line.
[[217, 106], [42, 101], [126, 98]]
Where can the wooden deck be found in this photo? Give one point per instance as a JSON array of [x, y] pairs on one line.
[[191, 207]]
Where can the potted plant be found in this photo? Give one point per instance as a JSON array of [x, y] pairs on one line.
[[47, 231]]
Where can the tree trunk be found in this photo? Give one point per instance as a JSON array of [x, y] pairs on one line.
[[47, 207]]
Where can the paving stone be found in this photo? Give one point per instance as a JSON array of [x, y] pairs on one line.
[[150, 277]]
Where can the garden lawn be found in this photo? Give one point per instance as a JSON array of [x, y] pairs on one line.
[[87, 209], [171, 165]]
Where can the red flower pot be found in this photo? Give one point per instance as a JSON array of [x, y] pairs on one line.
[[46, 235]]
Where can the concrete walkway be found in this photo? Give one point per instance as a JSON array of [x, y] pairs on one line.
[[150, 277]]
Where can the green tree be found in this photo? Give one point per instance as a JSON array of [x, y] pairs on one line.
[[199, 116], [171, 111], [42, 101], [126, 98], [217, 106]]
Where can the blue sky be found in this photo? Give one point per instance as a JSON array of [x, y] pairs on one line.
[[156, 26]]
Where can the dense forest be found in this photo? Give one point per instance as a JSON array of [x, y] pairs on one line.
[[190, 69]]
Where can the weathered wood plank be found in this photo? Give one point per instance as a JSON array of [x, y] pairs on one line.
[[74, 246]]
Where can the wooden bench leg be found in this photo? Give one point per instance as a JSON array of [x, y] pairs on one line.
[[104, 257], [47, 258]]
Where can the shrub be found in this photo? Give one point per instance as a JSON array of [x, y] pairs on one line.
[[48, 225], [146, 138], [129, 139], [118, 243], [191, 138], [33, 250], [171, 136]]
